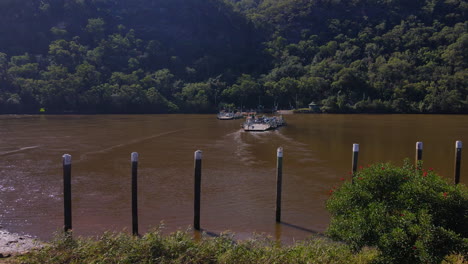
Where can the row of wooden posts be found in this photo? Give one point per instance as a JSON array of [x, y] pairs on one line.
[[418, 158], [197, 188]]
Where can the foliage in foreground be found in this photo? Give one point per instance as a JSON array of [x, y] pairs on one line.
[[411, 216], [180, 247]]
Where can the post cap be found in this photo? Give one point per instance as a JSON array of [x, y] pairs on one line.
[[279, 152], [355, 147], [419, 145], [458, 144], [198, 155], [134, 157], [66, 159]]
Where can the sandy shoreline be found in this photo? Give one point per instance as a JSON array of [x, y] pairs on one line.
[[13, 244]]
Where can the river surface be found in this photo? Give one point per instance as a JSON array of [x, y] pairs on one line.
[[238, 169]]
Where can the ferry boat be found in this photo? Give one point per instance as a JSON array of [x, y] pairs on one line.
[[263, 123]]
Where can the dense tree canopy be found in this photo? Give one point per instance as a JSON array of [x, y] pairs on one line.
[[165, 56]]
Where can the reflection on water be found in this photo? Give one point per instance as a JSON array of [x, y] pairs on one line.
[[238, 182]]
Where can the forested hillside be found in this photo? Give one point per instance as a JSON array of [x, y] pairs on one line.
[[160, 56]]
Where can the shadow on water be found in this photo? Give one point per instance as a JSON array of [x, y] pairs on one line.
[[278, 232], [210, 233], [199, 234], [301, 229]]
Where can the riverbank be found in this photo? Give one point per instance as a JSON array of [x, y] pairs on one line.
[[182, 247], [12, 244]]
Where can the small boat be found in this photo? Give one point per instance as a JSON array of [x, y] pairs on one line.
[[229, 116], [263, 123], [225, 116]]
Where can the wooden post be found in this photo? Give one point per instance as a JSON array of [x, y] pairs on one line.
[[458, 151], [419, 149], [196, 213], [134, 159], [355, 160], [279, 182], [66, 159]]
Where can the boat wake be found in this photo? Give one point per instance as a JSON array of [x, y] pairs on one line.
[[131, 142], [242, 151], [288, 139], [245, 144], [17, 151], [302, 150]]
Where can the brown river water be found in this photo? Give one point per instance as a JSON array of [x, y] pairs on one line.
[[238, 169]]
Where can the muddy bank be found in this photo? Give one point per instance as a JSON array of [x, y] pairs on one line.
[[13, 244]]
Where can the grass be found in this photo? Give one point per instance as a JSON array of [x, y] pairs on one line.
[[303, 110], [181, 247]]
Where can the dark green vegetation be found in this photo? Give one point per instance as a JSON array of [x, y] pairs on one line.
[[158, 56], [182, 248], [411, 216]]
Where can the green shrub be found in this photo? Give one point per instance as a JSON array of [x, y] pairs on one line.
[[411, 216]]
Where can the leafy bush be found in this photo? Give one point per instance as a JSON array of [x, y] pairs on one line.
[[411, 216]]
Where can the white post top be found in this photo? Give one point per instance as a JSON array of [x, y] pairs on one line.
[[458, 144], [419, 145], [279, 152], [198, 155], [355, 147], [134, 156], [66, 159]]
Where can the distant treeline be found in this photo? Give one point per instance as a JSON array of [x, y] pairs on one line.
[[169, 56]]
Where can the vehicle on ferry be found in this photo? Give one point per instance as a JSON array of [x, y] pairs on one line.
[[263, 123]]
